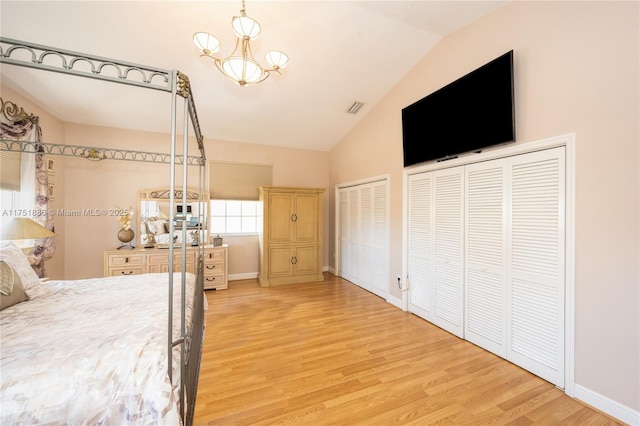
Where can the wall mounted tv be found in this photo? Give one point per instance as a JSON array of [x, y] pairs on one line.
[[474, 112]]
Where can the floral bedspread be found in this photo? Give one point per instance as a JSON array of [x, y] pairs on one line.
[[90, 352]]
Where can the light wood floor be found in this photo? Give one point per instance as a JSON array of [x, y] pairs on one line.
[[332, 353]]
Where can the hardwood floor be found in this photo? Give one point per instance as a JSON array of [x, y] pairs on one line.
[[331, 353]]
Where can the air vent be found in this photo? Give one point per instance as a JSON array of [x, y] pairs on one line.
[[355, 107]]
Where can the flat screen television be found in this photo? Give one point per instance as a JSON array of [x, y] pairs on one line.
[[472, 113]]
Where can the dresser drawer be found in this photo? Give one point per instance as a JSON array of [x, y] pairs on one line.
[[164, 258], [216, 281], [211, 268], [135, 270], [214, 255], [126, 260]]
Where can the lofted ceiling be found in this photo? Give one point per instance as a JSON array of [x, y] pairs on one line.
[[340, 52]]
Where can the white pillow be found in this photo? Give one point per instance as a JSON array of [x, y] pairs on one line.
[[156, 226], [11, 254]]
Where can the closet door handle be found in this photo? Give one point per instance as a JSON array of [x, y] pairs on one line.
[[294, 260], [294, 217]]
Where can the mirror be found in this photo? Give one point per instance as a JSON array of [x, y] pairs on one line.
[[153, 220]]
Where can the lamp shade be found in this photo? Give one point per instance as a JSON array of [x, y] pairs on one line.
[[23, 228], [242, 70], [206, 43], [277, 59], [245, 27]]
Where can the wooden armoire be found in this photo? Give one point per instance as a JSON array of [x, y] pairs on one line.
[[290, 235]]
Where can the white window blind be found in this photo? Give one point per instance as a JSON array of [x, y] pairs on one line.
[[10, 170], [238, 181]]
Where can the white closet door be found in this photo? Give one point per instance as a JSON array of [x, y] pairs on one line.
[[448, 249], [486, 256], [380, 244], [363, 235], [420, 244], [435, 269], [353, 270], [365, 278], [343, 238], [536, 244]]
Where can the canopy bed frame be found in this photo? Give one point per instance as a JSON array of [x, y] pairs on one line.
[[177, 85]]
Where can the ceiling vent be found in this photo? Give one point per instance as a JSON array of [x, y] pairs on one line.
[[355, 107]]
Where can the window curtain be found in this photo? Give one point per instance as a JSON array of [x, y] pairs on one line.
[[16, 125]]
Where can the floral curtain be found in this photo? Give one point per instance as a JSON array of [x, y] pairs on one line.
[[16, 125]]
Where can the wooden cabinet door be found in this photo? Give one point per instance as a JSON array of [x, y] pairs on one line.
[[281, 211], [280, 261], [293, 260], [306, 260], [306, 218]]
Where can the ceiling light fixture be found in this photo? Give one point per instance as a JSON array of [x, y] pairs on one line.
[[240, 67]]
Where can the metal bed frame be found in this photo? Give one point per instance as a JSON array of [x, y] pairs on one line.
[[178, 85]]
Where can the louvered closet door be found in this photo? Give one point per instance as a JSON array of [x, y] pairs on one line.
[[448, 249], [486, 256], [365, 278], [536, 244], [420, 244], [380, 244], [343, 214], [435, 230], [353, 270]]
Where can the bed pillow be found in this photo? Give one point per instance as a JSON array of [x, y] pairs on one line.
[[11, 289], [11, 254], [156, 226]]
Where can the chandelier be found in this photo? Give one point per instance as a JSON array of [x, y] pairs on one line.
[[240, 67]]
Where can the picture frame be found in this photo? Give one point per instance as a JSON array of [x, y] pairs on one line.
[[50, 164], [51, 191]]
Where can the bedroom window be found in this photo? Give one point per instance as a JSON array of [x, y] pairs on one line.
[[233, 217], [8, 200]]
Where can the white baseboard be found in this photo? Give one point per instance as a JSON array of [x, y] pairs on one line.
[[607, 405], [395, 301]]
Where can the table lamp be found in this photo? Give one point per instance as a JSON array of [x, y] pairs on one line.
[[23, 228]]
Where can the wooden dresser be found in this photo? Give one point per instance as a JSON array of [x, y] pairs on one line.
[[142, 260], [291, 235]]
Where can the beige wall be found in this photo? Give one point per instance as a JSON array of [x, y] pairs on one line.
[[291, 167], [107, 184], [53, 131], [576, 70]]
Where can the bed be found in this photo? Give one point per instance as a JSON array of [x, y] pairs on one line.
[[115, 350], [74, 354]]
